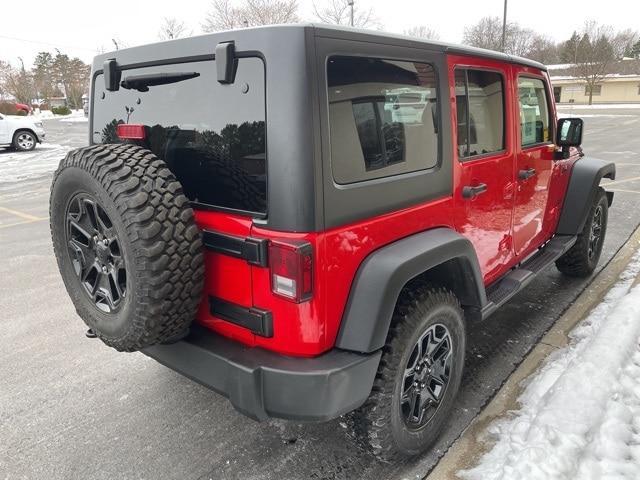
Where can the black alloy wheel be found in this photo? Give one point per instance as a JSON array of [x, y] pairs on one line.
[[426, 376], [95, 252]]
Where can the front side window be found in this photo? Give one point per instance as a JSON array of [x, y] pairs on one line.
[[212, 136], [480, 112], [383, 117], [534, 112]]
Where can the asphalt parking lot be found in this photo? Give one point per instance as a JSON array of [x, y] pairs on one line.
[[72, 408]]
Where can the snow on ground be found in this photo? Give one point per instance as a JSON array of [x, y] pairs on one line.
[[16, 166], [83, 119], [580, 413], [597, 106], [47, 114], [591, 115]]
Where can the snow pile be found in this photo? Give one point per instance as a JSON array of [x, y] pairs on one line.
[[580, 413], [17, 166]]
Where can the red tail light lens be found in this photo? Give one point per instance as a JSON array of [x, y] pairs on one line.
[[127, 131], [291, 266]]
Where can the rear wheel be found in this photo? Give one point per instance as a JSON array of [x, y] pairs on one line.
[[24, 141], [582, 259], [127, 246], [419, 375]]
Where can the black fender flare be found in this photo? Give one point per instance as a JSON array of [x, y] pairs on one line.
[[383, 274], [586, 175]]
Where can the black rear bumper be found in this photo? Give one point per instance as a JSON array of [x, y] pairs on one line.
[[263, 384]]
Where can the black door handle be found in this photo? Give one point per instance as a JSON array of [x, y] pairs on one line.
[[528, 173], [473, 191]]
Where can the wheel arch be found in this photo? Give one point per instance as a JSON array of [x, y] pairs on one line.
[[585, 180], [24, 129], [440, 256]]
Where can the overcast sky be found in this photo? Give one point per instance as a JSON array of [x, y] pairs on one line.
[[81, 27]]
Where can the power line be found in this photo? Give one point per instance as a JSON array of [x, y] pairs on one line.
[[47, 43]]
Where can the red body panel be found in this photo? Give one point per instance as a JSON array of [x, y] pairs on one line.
[[504, 225]]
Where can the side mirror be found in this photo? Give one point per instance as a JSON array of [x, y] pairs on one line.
[[569, 132]]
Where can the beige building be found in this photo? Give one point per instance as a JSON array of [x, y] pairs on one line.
[[622, 85]]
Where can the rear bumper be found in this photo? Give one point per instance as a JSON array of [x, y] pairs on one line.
[[263, 384]]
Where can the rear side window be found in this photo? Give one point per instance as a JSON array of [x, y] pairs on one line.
[[534, 111], [480, 112], [383, 117], [212, 136]]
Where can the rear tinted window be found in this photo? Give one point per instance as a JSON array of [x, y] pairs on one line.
[[383, 117], [212, 136]]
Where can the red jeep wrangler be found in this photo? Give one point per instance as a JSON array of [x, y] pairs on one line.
[[304, 218]]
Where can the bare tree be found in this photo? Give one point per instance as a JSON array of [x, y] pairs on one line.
[[487, 33], [338, 12], [422, 31], [623, 43], [224, 16], [543, 49], [173, 28], [594, 55], [18, 83]]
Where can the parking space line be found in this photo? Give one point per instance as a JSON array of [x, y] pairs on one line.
[[24, 222], [622, 190], [26, 216], [624, 180]]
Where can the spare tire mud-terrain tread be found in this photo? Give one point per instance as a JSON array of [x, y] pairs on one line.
[[165, 260]]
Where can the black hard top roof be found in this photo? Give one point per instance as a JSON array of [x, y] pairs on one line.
[[386, 37], [320, 30]]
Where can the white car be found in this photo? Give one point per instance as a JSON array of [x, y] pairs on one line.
[[22, 133]]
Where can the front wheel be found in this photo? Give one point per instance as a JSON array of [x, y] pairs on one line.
[[24, 141], [418, 377], [582, 259]]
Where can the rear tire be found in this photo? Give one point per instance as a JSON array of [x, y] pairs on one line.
[[582, 259], [393, 421], [127, 246]]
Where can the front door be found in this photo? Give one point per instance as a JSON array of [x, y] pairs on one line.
[[485, 193], [534, 161]]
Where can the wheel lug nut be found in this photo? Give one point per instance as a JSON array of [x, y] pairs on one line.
[[104, 269], [105, 241]]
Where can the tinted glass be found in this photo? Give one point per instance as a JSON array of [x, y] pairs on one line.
[[480, 111], [212, 136], [383, 117], [534, 111]]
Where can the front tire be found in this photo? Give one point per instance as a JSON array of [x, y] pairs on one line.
[[418, 377], [24, 141], [582, 259]]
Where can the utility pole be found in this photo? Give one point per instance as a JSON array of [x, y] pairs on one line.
[[504, 25], [350, 3]]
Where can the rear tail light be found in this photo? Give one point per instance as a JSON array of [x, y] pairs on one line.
[[128, 131], [291, 269]]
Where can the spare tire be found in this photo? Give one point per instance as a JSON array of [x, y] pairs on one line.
[[127, 246]]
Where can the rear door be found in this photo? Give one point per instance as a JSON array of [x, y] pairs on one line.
[[534, 159], [484, 154]]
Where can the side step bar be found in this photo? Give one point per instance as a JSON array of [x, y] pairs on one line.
[[504, 289]]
